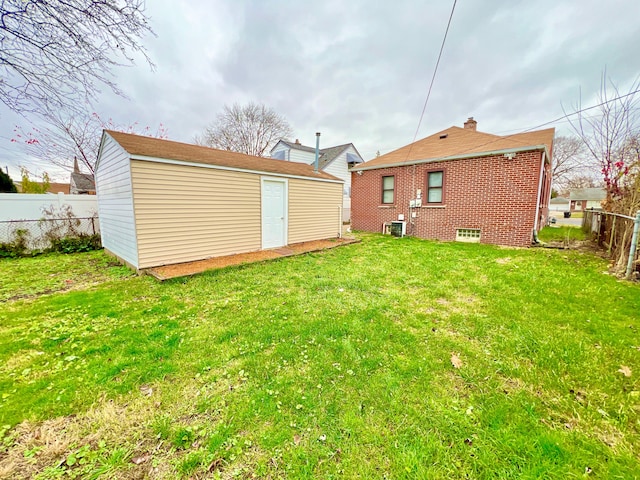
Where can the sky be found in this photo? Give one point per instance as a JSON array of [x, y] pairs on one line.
[[359, 71]]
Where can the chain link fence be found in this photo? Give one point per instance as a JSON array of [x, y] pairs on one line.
[[39, 234], [618, 234]]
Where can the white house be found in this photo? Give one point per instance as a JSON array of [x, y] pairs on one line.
[[335, 161], [585, 198], [559, 204]]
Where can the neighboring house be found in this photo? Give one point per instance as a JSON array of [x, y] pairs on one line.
[[559, 204], [334, 160], [459, 184], [53, 187], [81, 183], [584, 198], [162, 202]]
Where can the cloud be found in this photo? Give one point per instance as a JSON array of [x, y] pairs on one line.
[[359, 72]]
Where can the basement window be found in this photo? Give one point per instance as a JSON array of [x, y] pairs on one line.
[[468, 235]]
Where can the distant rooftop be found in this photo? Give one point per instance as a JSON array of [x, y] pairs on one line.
[[589, 194]]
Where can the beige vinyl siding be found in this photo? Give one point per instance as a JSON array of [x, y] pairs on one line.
[[314, 211], [189, 213], [115, 202]]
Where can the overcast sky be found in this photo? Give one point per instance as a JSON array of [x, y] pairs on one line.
[[358, 71]]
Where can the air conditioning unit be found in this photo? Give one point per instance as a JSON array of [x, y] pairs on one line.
[[397, 229]]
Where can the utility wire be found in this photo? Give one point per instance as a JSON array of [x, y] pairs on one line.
[[433, 78], [555, 120]]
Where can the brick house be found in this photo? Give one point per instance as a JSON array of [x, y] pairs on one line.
[[459, 184]]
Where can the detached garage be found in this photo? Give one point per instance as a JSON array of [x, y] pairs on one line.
[[162, 202]]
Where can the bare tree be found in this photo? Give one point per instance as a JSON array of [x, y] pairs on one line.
[[611, 136], [252, 129], [55, 54], [581, 181], [607, 133], [570, 160], [72, 136]]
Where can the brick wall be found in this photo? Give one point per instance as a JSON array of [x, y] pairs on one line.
[[493, 194]]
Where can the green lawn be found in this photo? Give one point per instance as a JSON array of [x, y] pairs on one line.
[[564, 234], [337, 364]]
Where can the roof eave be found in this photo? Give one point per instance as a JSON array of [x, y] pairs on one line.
[[455, 157], [146, 158]]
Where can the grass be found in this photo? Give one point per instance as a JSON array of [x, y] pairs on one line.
[[565, 234], [328, 365], [50, 273]]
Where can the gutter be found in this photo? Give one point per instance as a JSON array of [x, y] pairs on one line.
[[454, 157]]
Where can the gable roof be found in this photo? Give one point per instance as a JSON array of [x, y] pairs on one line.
[[156, 148], [83, 181], [326, 155], [589, 194], [456, 142]]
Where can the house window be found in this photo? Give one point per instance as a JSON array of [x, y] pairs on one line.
[[388, 184], [469, 235], [434, 187]]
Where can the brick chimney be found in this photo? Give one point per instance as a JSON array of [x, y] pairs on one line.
[[297, 142], [470, 124]]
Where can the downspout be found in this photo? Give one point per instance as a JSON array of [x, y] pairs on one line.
[[315, 168], [535, 222]]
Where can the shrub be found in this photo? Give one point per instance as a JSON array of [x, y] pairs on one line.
[[17, 247], [80, 243]]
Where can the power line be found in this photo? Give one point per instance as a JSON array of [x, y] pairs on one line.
[[567, 115], [556, 120], [433, 78]]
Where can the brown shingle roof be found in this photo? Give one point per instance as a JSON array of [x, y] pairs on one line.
[[456, 141], [169, 150]]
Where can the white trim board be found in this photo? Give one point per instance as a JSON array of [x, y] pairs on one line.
[[454, 157]]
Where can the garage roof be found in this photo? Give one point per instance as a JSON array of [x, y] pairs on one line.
[[156, 148]]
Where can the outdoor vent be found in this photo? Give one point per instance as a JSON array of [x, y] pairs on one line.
[[397, 229], [468, 235], [444, 135]]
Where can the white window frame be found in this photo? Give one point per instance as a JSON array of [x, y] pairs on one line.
[[468, 235]]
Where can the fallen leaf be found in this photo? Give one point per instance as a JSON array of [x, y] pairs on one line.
[[626, 371], [146, 390], [468, 441], [140, 459], [215, 465], [296, 439], [455, 361]]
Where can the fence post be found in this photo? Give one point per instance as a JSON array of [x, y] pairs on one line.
[[93, 226], [634, 244], [612, 235]]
